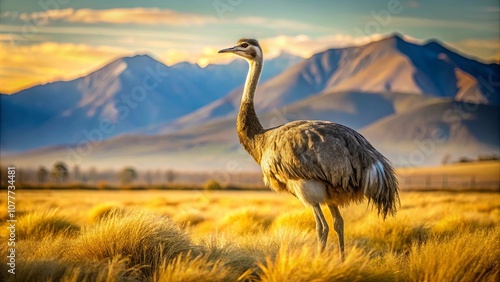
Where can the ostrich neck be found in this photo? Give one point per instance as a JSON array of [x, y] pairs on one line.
[[248, 125]]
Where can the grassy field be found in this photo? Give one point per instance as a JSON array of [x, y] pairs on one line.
[[247, 236]]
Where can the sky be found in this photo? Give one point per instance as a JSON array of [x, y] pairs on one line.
[[49, 40]]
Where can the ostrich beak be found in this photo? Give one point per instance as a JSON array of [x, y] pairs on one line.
[[228, 50]]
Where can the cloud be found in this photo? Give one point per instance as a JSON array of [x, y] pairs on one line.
[[304, 46], [27, 65], [300, 45], [486, 49], [493, 43], [147, 16], [153, 16], [403, 21]]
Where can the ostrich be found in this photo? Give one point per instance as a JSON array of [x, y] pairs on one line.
[[319, 162]]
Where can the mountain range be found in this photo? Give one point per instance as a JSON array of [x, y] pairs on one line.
[[415, 102]]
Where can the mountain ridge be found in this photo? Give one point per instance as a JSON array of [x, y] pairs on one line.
[[132, 92], [371, 88]]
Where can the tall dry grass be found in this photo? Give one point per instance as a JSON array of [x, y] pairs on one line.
[[253, 237]]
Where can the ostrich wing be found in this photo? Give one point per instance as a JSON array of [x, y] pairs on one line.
[[317, 150]]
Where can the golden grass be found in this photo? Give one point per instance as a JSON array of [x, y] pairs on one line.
[[462, 257], [193, 269], [250, 236], [146, 239], [43, 223]]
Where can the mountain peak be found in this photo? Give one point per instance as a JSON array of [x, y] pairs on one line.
[[396, 36], [434, 44], [140, 59], [135, 62]]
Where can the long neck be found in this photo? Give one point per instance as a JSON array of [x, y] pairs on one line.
[[248, 125]]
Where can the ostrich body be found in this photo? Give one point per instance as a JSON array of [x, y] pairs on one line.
[[319, 162]]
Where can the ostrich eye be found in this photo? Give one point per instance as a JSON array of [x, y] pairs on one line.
[[244, 45]]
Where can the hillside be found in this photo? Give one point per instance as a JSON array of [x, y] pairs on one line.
[[132, 93], [399, 94], [389, 65], [425, 134]]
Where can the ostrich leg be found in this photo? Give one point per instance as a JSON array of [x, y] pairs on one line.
[[321, 226], [338, 225]]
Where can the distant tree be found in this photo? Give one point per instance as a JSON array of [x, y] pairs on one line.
[[128, 175], [170, 176], [42, 175], [157, 176], [92, 175], [76, 174], [484, 158], [60, 172], [446, 159], [465, 160], [212, 184], [148, 177]]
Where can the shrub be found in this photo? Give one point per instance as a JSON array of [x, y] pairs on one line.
[[212, 185]]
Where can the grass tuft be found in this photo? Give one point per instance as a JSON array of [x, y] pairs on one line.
[[306, 264], [302, 219], [187, 268], [41, 224], [246, 221], [102, 210], [189, 218], [143, 237], [463, 257]]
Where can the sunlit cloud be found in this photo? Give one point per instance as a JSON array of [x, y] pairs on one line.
[[300, 45], [147, 16], [489, 48], [305, 46], [153, 16], [29, 65]]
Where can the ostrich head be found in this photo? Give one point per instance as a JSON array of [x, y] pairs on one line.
[[246, 48]]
